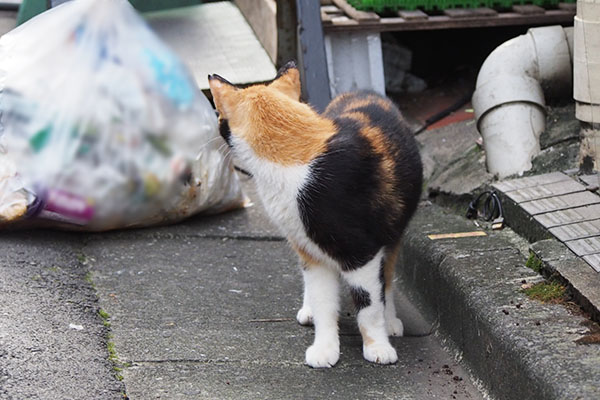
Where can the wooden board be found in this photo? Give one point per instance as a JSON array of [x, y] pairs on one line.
[[528, 9], [214, 38], [470, 12], [262, 17], [412, 14], [358, 16], [453, 19]]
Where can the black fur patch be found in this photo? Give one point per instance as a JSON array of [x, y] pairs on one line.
[[219, 78], [225, 131], [289, 65], [338, 205], [382, 279], [361, 298]]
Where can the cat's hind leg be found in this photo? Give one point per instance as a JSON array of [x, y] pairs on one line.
[[367, 289], [322, 299], [393, 324], [305, 314]]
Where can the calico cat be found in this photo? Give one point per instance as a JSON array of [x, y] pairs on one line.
[[341, 186]]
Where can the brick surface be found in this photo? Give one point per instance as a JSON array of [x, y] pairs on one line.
[[535, 207], [569, 216], [594, 261], [577, 230], [531, 181], [545, 191], [584, 247]]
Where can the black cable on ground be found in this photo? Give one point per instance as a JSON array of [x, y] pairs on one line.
[[491, 211]]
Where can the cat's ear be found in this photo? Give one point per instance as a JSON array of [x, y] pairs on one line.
[[288, 81], [223, 93]]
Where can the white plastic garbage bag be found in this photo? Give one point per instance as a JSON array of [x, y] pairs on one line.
[[102, 126]]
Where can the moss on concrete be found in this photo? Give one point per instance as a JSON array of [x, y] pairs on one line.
[[547, 292], [534, 262]]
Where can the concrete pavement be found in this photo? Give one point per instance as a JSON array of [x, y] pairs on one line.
[[52, 341], [206, 309]]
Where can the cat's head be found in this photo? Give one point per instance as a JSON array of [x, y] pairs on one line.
[[268, 121], [236, 105]]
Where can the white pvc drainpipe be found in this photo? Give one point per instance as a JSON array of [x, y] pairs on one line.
[[509, 100], [586, 87]]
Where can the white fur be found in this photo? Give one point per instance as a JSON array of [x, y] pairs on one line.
[[278, 187], [305, 314], [371, 319], [393, 324], [322, 288]]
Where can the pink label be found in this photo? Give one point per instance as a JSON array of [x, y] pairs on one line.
[[68, 205]]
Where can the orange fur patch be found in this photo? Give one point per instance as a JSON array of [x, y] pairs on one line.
[[389, 267], [278, 128], [387, 178], [355, 104], [380, 146], [358, 116], [307, 259], [367, 340], [289, 84]]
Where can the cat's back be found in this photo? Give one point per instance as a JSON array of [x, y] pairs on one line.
[[367, 116], [367, 183], [371, 126], [363, 101]]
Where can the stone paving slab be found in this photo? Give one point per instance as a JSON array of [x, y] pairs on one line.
[[590, 180], [568, 216], [530, 181], [547, 190], [594, 261], [560, 202], [584, 247], [577, 230]]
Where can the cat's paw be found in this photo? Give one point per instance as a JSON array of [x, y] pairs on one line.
[[394, 327], [323, 355], [305, 316], [380, 353]]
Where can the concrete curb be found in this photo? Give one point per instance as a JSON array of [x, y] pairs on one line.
[[519, 348]]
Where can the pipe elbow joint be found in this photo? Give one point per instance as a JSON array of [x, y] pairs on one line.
[[509, 100]]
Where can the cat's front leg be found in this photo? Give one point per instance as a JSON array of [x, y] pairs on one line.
[[322, 297], [367, 290]]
